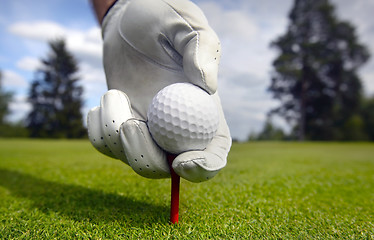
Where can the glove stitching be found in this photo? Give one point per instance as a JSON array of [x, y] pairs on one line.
[[189, 161], [201, 166], [202, 75]]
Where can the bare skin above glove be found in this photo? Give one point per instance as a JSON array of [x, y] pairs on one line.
[[148, 45]]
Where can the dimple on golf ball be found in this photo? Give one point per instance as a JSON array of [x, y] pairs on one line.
[[182, 117]]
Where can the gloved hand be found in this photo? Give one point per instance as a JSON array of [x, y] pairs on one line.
[[149, 44]]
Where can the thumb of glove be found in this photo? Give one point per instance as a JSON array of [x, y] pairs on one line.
[[201, 60], [198, 166], [196, 41]]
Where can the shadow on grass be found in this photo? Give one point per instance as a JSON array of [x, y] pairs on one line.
[[80, 203]]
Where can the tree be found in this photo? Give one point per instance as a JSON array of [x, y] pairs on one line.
[[315, 72], [5, 98], [269, 132], [8, 129], [56, 97]]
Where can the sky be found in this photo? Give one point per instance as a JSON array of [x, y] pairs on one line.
[[245, 29]]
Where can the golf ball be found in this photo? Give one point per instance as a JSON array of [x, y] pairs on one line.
[[182, 117]]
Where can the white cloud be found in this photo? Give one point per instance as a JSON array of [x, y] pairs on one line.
[[94, 84], [238, 34], [85, 44], [39, 30], [245, 102], [29, 63], [360, 14], [246, 30], [368, 79], [91, 74], [232, 24], [19, 107], [13, 80]]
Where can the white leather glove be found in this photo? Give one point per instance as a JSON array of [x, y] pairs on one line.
[[149, 44]]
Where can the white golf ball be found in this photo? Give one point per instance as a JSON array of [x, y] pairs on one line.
[[182, 117]]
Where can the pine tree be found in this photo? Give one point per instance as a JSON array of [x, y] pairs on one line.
[[56, 96], [315, 75]]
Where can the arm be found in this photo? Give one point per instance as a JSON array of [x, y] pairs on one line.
[[101, 7]]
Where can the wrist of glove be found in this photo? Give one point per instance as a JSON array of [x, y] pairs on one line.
[[113, 130]]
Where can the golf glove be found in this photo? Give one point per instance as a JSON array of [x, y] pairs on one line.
[[148, 45]]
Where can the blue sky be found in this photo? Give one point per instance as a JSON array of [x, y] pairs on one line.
[[245, 28]]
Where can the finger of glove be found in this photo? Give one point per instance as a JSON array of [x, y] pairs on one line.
[[196, 41], [197, 166], [115, 109], [201, 59], [95, 133], [143, 155]]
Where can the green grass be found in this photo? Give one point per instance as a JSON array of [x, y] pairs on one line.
[[67, 190]]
